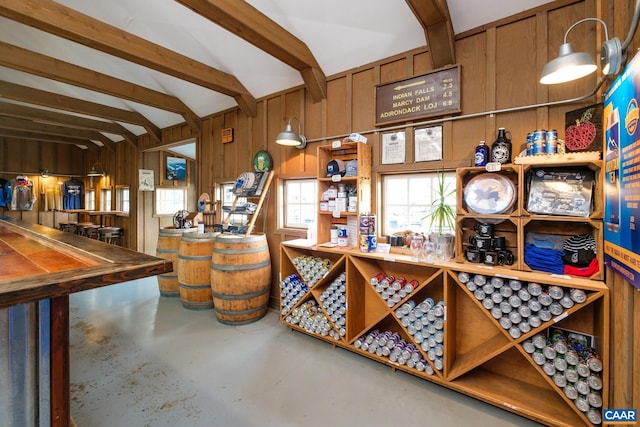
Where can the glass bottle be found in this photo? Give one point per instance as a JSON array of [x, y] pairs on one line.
[[501, 148], [482, 154]]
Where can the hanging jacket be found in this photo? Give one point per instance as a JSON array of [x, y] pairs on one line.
[[23, 194], [73, 192]]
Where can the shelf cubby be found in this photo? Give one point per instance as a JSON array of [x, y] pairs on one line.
[[511, 172], [503, 226]]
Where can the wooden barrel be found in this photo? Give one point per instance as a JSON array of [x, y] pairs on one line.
[[194, 270], [167, 248], [240, 278]]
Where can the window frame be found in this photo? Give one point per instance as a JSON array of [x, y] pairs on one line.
[[162, 189]]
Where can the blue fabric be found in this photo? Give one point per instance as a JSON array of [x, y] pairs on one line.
[[549, 260]]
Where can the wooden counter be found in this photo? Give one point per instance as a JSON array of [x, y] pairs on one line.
[[41, 263]]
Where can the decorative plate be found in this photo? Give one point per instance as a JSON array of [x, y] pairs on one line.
[[262, 161], [490, 193]]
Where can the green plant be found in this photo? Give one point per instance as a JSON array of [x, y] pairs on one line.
[[441, 215]]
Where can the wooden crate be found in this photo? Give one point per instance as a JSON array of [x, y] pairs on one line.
[[505, 226], [566, 228], [464, 175]]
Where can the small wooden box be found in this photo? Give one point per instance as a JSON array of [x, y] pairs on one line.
[[464, 175]]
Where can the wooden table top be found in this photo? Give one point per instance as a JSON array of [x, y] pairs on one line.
[[38, 262]]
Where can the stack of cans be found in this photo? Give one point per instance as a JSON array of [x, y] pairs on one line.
[[393, 289], [390, 345], [311, 318], [291, 291], [425, 322], [574, 367], [520, 306], [368, 236], [312, 269], [334, 302]]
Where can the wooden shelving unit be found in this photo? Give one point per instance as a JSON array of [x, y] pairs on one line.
[[481, 359], [260, 196]]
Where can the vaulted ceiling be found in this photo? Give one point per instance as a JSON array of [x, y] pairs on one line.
[[92, 72]]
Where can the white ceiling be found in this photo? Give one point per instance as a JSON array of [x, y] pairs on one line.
[[341, 34]]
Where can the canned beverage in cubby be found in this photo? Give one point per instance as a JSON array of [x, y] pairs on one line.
[[311, 269], [291, 291]]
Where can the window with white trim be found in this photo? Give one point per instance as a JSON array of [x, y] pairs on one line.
[[300, 202], [170, 200], [123, 203], [407, 199], [90, 199], [105, 199]]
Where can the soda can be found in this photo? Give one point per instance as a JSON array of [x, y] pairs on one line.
[[463, 277], [496, 312], [524, 327], [505, 323], [534, 321], [534, 305], [571, 374], [539, 341], [582, 403], [551, 144], [515, 332], [515, 301], [524, 294], [529, 144], [480, 279], [515, 317], [515, 285], [505, 307], [594, 416], [570, 391], [594, 381], [595, 399], [559, 342], [497, 282], [545, 299], [548, 368], [506, 291], [534, 289], [555, 292], [524, 311], [549, 351], [555, 308], [594, 362], [559, 380], [538, 357], [488, 288], [560, 363], [582, 386], [539, 141], [528, 346], [578, 295], [496, 297], [488, 303], [545, 315], [583, 369], [571, 356]]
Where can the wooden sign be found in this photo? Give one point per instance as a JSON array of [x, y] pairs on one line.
[[227, 135], [433, 94]]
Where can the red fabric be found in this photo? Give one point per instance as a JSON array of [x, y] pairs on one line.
[[588, 271]]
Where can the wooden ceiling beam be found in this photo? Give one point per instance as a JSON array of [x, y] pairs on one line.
[[434, 17], [247, 22], [51, 68], [54, 18], [61, 119], [43, 137], [43, 98], [42, 128]]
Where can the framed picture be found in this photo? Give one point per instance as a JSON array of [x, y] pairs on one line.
[[393, 148], [583, 129], [145, 179], [176, 169], [428, 143]]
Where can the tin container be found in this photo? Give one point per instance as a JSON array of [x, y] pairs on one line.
[[551, 144], [539, 141], [529, 144]]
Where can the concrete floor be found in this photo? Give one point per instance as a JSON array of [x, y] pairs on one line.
[[138, 359]]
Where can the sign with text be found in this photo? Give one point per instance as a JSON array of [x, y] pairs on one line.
[[433, 94]]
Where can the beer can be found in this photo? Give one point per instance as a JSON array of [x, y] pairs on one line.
[[583, 369], [534, 305], [539, 141], [497, 282], [471, 286], [505, 307], [506, 291], [463, 277], [539, 341], [534, 289], [594, 362], [559, 380], [582, 403], [548, 368], [529, 144], [594, 381], [524, 327], [555, 308], [560, 363], [549, 352], [515, 317], [571, 374], [524, 294], [488, 288], [534, 321], [545, 299], [515, 285], [551, 144], [582, 386], [570, 391], [515, 301], [480, 279], [496, 312], [578, 295], [559, 342], [488, 303], [515, 332], [528, 346], [545, 315], [505, 322], [594, 416], [571, 356], [555, 292], [595, 399], [538, 357], [524, 311], [496, 297]]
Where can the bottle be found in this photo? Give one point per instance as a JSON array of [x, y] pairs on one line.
[[501, 148], [482, 154]]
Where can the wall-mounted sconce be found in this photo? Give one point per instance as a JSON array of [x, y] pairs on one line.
[[290, 138], [45, 173], [96, 170], [570, 65]]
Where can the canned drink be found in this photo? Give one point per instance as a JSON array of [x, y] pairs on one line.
[[595, 399], [559, 342], [551, 145], [515, 301], [488, 303], [594, 416], [571, 356], [479, 294], [534, 305], [539, 141], [524, 311], [515, 332], [471, 285], [506, 291], [582, 386], [555, 292], [505, 322], [538, 357], [594, 362], [463, 277], [555, 308], [497, 282], [582, 403], [496, 313], [515, 285], [583, 369], [548, 368], [428, 369], [539, 341], [529, 144], [480, 279], [515, 317], [570, 391], [488, 288], [438, 363], [549, 351], [528, 346], [594, 381], [545, 315], [560, 363], [545, 299], [524, 327], [496, 297], [505, 307], [534, 321], [571, 374], [566, 301], [559, 380], [534, 289], [578, 295]]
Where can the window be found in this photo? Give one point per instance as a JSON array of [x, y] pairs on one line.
[[90, 200], [122, 199], [170, 200], [300, 202], [105, 199], [407, 199]]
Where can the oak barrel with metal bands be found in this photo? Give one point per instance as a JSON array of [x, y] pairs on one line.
[[240, 278], [167, 248], [194, 273]]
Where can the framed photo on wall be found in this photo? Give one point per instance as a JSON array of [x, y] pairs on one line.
[[428, 143], [393, 148], [176, 169]]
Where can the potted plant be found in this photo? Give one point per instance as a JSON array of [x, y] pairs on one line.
[[442, 218]]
